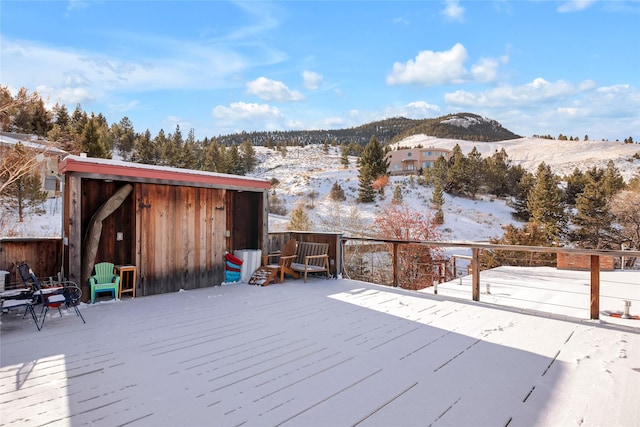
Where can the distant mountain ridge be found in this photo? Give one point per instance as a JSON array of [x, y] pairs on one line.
[[464, 126]]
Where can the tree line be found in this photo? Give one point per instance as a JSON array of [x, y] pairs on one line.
[[593, 208]]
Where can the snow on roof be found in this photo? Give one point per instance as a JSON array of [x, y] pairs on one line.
[[118, 168], [29, 141]]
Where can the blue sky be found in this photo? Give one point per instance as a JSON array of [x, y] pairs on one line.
[[537, 67]]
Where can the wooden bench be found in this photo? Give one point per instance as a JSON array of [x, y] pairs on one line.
[[311, 258]]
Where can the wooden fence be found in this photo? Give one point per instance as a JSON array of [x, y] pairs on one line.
[[43, 255]]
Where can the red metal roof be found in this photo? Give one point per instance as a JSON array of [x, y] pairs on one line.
[[116, 169]]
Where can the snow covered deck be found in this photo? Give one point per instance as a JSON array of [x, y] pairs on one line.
[[328, 352]]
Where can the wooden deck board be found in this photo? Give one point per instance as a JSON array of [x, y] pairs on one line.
[[329, 352]]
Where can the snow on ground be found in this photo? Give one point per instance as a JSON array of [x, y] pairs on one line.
[[309, 169], [562, 156], [325, 352]]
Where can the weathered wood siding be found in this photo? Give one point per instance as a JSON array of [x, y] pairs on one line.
[[42, 255], [94, 194], [181, 236]]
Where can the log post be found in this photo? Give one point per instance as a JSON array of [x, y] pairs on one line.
[[395, 264], [475, 274], [595, 287]]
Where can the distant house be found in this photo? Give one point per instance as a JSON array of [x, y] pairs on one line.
[[51, 156], [410, 161]]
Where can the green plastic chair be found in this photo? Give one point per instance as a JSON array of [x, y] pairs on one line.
[[104, 280]]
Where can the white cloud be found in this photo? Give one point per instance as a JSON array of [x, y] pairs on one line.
[[575, 5], [272, 90], [453, 10], [69, 71], [242, 116], [539, 90], [413, 110], [431, 68], [485, 71], [311, 80]]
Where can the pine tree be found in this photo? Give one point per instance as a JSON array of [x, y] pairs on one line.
[[211, 155], [145, 149], [473, 176], [95, 138], [190, 157], [123, 135], [593, 220], [497, 173], [344, 155], [437, 202], [172, 149], [236, 165], [397, 195], [546, 204], [612, 181], [575, 186], [248, 154], [520, 205], [337, 193], [300, 221], [456, 172], [372, 164]]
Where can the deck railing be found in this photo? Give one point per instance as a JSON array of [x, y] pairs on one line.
[[393, 247]]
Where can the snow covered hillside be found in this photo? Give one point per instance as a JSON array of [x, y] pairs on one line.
[[307, 170], [562, 156]]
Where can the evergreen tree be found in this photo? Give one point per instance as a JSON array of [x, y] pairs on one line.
[[211, 160], [124, 137], [397, 195], [515, 173], [160, 142], [520, 205], [344, 155], [496, 173], [437, 201], [172, 149], [456, 172], [236, 165], [248, 155], [612, 181], [337, 193], [575, 186], [372, 164], [191, 156], [146, 150], [546, 204], [593, 220], [438, 173], [473, 176], [95, 139], [300, 221]]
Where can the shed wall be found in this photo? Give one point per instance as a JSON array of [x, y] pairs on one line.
[[181, 237]]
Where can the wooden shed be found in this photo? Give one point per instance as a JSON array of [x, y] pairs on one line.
[[174, 225]]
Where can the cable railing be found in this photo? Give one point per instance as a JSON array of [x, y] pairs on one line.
[[424, 264]]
